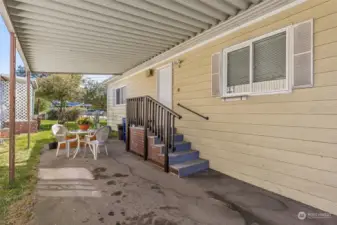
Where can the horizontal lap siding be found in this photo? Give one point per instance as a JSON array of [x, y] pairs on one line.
[[284, 143], [139, 85]]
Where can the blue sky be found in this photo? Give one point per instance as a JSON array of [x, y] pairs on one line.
[[4, 54], [4, 50]]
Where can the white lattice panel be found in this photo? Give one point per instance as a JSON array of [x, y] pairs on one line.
[[20, 102]]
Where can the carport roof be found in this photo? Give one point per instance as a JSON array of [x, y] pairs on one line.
[[111, 36]]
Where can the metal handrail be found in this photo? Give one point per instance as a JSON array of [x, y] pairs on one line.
[[165, 107], [162, 105], [198, 114], [147, 112]]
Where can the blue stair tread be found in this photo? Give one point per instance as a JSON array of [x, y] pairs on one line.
[[177, 138], [153, 135], [188, 164], [175, 143], [181, 156], [181, 142], [175, 154]]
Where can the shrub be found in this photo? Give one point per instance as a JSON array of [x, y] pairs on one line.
[[52, 114], [73, 113], [70, 114]]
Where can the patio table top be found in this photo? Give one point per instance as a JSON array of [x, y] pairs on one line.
[[82, 131]]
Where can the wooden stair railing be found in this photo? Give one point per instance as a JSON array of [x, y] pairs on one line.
[[154, 117]]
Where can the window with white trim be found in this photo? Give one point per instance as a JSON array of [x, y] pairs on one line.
[[273, 63], [257, 66], [119, 96]]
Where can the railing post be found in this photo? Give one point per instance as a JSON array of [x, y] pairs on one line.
[[127, 125], [136, 111], [162, 124], [167, 145], [145, 130], [155, 120], [152, 115], [173, 134]]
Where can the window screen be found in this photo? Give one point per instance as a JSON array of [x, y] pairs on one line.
[[238, 67], [118, 96], [123, 95], [270, 58]]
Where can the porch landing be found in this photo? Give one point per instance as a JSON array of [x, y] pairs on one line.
[[123, 189]]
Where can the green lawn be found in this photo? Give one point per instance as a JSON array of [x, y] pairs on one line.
[[25, 173], [18, 195]]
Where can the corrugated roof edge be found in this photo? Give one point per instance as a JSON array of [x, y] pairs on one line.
[[20, 80], [213, 34]]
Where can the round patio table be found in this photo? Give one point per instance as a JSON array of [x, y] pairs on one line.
[[78, 133]]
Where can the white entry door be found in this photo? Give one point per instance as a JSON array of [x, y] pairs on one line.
[[164, 85]]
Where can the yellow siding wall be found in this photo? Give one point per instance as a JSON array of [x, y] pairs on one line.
[[135, 86], [284, 143]]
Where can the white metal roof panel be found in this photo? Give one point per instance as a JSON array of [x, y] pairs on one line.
[[109, 36]]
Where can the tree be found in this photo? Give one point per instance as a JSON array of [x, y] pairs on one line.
[[61, 88], [21, 72], [41, 105], [95, 94]]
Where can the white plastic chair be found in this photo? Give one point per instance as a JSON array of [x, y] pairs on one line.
[[85, 141], [60, 133], [102, 135]]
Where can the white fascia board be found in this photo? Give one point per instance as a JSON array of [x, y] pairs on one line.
[[5, 15], [247, 18]]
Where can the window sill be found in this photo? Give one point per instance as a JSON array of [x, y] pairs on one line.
[[303, 86], [244, 96], [237, 98]]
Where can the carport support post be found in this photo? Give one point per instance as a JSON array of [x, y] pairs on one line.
[[28, 107], [12, 83], [127, 125], [145, 128]]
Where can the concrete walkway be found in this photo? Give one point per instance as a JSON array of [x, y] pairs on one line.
[[123, 189]]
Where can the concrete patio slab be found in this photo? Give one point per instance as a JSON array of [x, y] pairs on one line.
[[131, 191]]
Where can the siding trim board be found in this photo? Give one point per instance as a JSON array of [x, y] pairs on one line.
[[284, 143]]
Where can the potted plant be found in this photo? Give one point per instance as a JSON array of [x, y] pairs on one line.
[[84, 123]]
